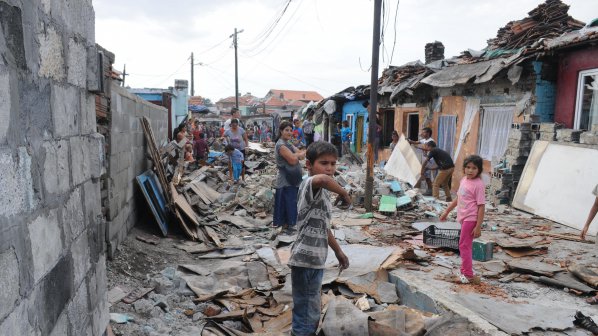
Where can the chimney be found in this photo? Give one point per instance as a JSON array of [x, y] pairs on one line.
[[434, 51]]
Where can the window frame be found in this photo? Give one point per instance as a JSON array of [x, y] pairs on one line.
[[579, 95]]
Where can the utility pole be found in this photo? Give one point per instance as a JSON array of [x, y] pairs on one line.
[[125, 74], [369, 180], [234, 36], [192, 82]]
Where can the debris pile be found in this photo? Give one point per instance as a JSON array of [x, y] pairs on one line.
[[550, 19], [230, 277], [193, 196]]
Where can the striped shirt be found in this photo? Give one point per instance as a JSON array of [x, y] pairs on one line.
[[310, 249]]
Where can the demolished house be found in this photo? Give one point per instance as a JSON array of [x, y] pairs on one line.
[[523, 86], [225, 273]]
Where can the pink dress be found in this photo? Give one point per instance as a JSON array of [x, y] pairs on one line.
[[471, 194]]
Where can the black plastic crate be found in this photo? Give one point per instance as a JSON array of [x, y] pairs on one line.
[[447, 238]]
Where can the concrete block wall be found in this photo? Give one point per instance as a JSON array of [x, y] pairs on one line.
[[52, 251], [127, 159]]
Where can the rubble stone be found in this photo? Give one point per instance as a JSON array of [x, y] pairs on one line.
[[143, 306], [589, 138], [162, 285]]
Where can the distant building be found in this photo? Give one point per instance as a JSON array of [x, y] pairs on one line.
[[292, 95], [174, 99], [246, 101]]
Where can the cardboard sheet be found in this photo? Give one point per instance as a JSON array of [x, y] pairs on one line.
[[555, 172], [403, 163]]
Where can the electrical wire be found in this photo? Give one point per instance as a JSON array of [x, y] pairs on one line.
[[263, 36], [394, 42], [175, 72], [279, 32]]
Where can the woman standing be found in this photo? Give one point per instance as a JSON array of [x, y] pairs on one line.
[[236, 136], [289, 177]]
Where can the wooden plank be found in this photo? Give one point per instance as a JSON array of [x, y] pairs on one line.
[[212, 194], [565, 237], [212, 235], [182, 204], [184, 226], [199, 193]]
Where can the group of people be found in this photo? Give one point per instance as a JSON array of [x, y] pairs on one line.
[[232, 134], [303, 205]]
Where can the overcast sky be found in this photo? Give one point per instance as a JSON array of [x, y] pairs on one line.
[[320, 45]]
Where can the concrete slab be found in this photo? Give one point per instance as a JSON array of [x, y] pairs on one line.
[[418, 292]]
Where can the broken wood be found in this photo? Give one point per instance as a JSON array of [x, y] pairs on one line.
[[584, 273], [565, 237]]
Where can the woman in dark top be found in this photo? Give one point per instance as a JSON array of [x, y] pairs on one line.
[[288, 178]]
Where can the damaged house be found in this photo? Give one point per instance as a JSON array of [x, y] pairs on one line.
[[492, 102]]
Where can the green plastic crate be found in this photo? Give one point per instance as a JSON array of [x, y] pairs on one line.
[[482, 250]]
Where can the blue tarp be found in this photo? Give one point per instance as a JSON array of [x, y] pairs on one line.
[[199, 108]]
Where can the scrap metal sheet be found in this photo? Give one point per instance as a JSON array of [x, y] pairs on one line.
[[555, 172], [403, 163]]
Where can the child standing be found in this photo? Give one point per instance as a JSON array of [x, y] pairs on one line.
[[309, 251], [346, 135], [235, 162], [470, 203]]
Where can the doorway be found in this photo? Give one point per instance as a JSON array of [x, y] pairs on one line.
[[413, 126], [358, 134], [388, 125]]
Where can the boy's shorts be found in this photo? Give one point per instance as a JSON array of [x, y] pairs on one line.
[[237, 170]]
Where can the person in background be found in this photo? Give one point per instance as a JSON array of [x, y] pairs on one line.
[[236, 160], [287, 159], [222, 131], [310, 249], [395, 140], [200, 148], [256, 131], [346, 135], [263, 131], [234, 114], [425, 137], [189, 153], [445, 170], [298, 136], [470, 203], [308, 129], [591, 216], [236, 136], [377, 139], [197, 131]]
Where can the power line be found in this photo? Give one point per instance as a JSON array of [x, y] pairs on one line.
[[175, 72], [288, 75], [394, 42], [212, 47], [278, 34], [263, 36]]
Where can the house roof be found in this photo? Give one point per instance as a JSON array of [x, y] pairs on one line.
[[550, 19], [296, 95], [196, 100], [570, 39], [243, 100], [275, 101]]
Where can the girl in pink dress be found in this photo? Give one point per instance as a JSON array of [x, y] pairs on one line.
[[470, 203]]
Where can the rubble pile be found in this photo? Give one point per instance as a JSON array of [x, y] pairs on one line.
[[548, 20], [230, 276]]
